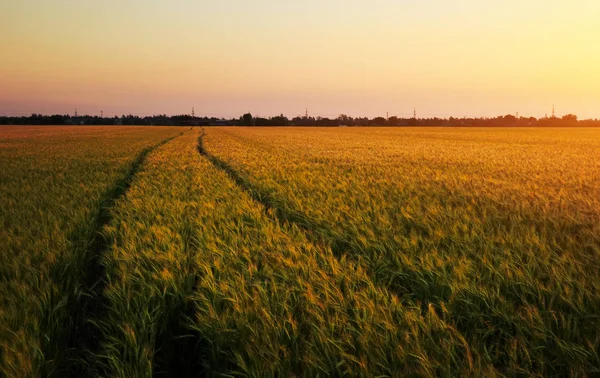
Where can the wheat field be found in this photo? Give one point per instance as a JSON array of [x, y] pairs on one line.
[[176, 252], [55, 183]]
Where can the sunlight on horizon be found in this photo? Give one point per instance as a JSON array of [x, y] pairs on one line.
[[270, 57]]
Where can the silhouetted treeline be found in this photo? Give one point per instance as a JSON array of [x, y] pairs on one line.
[[155, 120], [281, 120]]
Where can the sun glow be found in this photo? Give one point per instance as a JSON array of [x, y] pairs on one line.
[[463, 58]]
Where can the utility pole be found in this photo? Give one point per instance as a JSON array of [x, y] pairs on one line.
[[193, 112], [306, 114], [101, 113], [387, 116], [415, 112], [553, 116], [75, 112]]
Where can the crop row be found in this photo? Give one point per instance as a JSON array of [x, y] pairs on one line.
[[203, 280], [54, 185], [497, 231], [299, 252]]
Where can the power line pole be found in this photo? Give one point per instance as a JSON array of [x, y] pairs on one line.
[[306, 114], [101, 113], [193, 112], [75, 112], [553, 116], [415, 113]]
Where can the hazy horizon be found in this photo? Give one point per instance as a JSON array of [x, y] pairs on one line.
[[267, 57]]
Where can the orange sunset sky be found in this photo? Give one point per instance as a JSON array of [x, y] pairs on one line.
[[361, 58]]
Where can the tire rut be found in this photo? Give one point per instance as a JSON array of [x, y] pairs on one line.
[[85, 303]]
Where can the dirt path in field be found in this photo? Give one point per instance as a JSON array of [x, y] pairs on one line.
[[86, 304], [312, 229]]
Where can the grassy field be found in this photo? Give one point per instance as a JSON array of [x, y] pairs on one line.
[[193, 255], [138, 252], [496, 230], [54, 184]]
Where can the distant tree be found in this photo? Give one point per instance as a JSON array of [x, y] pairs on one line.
[[379, 121], [56, 120], [345, 120], [280, 120], [132, 120], [247, 119], [412, 122], [324, 121], [361, 121], [393, 121], [569, 118], [260, 121]]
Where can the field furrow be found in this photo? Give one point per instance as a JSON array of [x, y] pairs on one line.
[[88, 309], [149, 267], [452, 221], [56, 184], [203, 280], [178, 252], [305, 311]]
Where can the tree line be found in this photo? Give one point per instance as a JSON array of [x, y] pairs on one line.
[[281, 120]]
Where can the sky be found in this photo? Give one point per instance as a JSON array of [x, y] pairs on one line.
[[268, 57]]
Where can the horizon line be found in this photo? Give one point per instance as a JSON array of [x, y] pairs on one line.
[[517, 115]]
